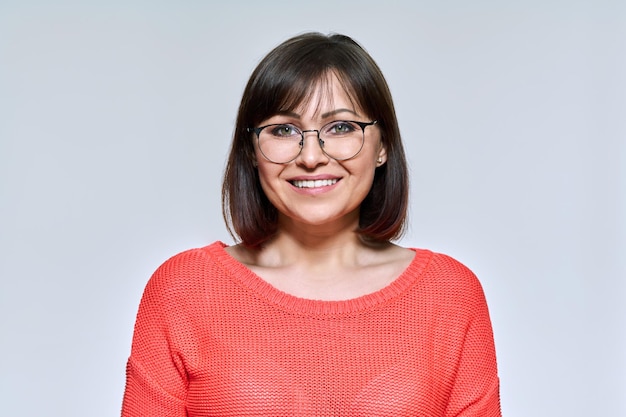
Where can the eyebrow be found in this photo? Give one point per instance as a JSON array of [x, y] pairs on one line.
[[323, 115], [334, 112]]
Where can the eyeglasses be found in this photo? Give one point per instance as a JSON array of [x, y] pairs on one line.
[[282, 143]]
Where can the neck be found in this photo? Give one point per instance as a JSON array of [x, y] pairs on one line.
[[317, 250], [324, 263], [318, 240]]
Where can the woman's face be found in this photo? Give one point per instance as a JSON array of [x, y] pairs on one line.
[[315, 190]]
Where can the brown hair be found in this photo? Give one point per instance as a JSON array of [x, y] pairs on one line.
[[281, 82]]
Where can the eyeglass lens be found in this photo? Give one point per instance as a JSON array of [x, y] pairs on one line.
[[282, 143]]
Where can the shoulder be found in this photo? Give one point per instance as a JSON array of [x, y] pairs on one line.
[[184, 273], [447, 266], [447, 278]]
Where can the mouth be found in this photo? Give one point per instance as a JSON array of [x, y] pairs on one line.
[[314, 183]]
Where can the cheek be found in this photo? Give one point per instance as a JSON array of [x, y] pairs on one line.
[[263, 177], [268, 175], [266, 170]]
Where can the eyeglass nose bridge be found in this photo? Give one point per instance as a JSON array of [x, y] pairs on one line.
[[320, 141]]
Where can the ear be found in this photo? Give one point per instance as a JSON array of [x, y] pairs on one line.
[[382, 156]]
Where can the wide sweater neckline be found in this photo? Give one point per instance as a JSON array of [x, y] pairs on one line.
[[246, 278]]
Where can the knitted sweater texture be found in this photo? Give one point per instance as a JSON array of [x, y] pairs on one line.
[[213, 339]]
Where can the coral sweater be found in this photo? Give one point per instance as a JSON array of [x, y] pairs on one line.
[[214, 339]]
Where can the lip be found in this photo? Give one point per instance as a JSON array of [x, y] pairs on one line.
[[314, 177], [314, 190]]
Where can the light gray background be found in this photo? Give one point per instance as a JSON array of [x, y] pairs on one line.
[[115, 118]]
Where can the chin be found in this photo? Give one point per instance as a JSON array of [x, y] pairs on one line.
[[319, 218]]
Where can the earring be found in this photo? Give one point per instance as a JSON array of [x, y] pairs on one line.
[[379, 160]]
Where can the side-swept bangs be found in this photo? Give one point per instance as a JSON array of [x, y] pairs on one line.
[[282, 82]]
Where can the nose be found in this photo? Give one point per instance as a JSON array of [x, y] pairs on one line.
[[311, 155]]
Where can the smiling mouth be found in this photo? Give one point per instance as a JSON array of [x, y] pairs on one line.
[[314, 183]]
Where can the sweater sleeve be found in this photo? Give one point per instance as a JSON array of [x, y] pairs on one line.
[[475, 392], [156, 380]]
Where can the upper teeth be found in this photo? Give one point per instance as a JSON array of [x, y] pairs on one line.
[[313, 183]]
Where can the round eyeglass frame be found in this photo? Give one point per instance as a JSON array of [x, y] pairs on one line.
[[320, 141]]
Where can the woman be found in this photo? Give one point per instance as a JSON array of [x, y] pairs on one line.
[[314, 312]]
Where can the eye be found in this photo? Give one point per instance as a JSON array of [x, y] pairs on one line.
[[284, 131], [340, 128]]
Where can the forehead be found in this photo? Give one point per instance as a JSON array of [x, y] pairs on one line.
[[323, 95]]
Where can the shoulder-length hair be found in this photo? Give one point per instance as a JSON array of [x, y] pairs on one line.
[[281, 82]]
